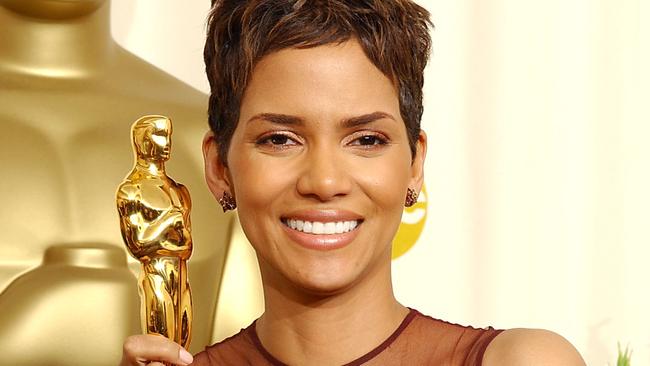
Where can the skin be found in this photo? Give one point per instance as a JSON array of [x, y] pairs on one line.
[[319, 165], [536, 347]]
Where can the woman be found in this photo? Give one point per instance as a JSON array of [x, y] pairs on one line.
[[315, 112]]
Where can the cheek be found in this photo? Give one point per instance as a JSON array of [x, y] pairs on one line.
[[384, 180], [258, 183]]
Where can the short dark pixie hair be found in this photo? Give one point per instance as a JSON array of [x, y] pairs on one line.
[[394, 35]]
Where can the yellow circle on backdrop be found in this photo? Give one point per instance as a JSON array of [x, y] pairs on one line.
[[411, 227]]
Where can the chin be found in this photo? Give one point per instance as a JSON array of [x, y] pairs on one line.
[[326, 283]]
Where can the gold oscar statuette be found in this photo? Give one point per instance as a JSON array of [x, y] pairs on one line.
[[154, 214]]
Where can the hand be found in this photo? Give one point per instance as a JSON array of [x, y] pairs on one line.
[[153, 350]]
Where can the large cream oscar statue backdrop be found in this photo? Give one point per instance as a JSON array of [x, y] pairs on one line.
[[68, 95]]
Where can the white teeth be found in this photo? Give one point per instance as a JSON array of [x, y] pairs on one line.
[[346, 226], [330, 228], [307, 227], [320, 228]]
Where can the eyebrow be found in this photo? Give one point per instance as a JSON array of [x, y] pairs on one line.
[[365, 119], [281, 119], [285, 119]]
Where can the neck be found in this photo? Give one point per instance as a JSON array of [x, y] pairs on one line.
[[337, 329], [74, 47], [155, 168]]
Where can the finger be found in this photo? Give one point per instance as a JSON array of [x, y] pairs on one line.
[[139, 349]]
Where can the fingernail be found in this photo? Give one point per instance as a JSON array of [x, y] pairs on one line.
[[185, 356]]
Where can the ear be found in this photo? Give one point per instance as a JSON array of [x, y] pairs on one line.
[[216, 174], [417, 165]]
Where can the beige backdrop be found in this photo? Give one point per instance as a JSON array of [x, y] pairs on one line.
[[538, 166]]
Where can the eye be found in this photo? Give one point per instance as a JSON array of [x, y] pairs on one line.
[[159, 140], [369, 140], [276, 140]]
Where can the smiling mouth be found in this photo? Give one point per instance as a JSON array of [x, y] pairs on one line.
[[322, 228]]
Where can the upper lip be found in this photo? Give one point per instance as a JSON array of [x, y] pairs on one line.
[[325, 215]]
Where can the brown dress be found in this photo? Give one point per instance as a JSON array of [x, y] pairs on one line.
[[419, 340]]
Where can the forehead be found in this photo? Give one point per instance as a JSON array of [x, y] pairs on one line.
[[323, 80], [161, 124], [158, 126]]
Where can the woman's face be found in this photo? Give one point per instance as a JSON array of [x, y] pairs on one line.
[[319, 165]]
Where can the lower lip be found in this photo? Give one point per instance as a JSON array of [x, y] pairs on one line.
[[321, 241]]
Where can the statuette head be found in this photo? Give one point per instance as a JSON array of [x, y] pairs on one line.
[[151, 137]]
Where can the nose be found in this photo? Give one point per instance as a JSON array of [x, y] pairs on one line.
[[325, 175]]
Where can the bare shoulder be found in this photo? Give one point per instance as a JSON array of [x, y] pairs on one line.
[[533, 347], [126, 189]]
